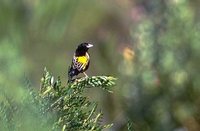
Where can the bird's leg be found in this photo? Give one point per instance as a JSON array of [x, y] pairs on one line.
[[85, 74]]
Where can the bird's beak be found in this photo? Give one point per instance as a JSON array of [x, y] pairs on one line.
[[89, 45]]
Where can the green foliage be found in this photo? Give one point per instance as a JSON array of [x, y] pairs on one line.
[[74, 111], [95, 81], [56, 107], [130, 126], [163, 89]]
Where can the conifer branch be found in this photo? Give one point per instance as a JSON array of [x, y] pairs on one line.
[[59, 107]]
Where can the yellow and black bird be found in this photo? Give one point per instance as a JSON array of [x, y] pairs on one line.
[[80, 61]]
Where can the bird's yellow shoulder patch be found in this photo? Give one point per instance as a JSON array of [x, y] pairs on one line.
[[82, 59]]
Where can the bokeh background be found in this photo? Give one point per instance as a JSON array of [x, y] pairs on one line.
[[151, 46]]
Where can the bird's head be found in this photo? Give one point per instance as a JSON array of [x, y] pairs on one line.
[[83, 48]]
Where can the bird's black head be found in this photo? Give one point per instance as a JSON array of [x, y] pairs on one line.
[[83, 48]]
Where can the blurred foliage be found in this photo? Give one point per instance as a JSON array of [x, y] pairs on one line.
[[55, 107], [11, 63], [164, 88], [151, 46]]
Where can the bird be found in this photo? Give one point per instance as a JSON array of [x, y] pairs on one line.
[[80, 61]]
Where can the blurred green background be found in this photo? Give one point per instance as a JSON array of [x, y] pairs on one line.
[[152, 46]]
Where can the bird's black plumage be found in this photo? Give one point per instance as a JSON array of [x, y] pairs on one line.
[[80, 61]]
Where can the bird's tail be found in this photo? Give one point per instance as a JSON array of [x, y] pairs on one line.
[[69, 75]]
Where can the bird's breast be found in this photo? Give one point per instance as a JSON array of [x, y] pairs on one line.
[[82, 59]]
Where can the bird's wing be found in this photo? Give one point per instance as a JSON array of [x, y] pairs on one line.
[[80, 62]]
